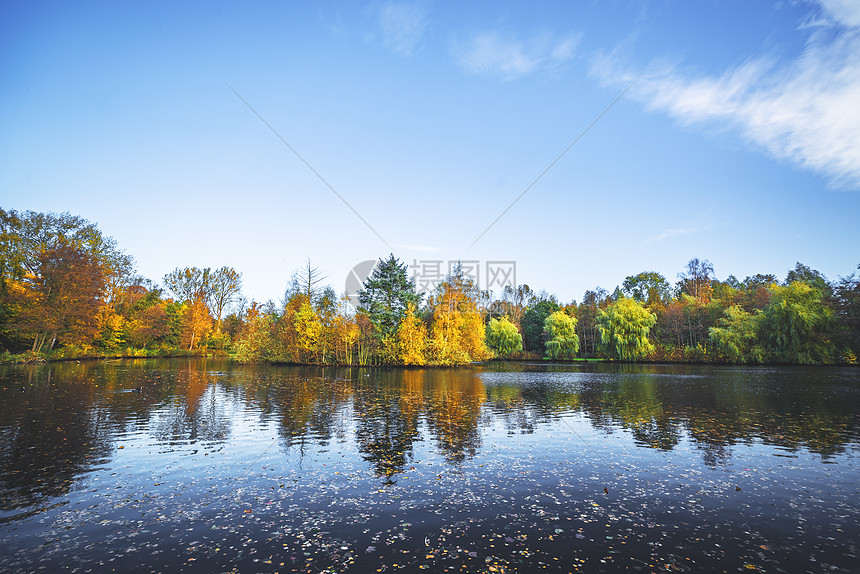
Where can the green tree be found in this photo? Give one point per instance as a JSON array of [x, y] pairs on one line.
[[586, 314], [846, 296], [562, 341], [503, 338], [811, 277], [386, 296], [624, 328], [736, 338], [647, 287], [533, 322], [795, 323]]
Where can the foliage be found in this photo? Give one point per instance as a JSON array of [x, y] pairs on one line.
[[562, 341], [503, 338], [411, 339], [736, 339], [695, 281], [624, 328], [794, 324], [66, 290], [225, 286], [457, 332], [386, 296], [846, 302], [647, 287], [533, 322]]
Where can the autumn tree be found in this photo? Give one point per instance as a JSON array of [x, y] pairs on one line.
[[150, 325], [26, 237], [624, 328], [306, 281], [67, 289], [696, 279], [309, 331], [190, 284], [255, 342], [345, 333], [411, 339], [514, 303], [457, 331], [503, 338], [192, 287], [756, 290], [225, 286], [562, 341]]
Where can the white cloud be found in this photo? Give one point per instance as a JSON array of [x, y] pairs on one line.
[[669, 233], [491, 54], [806, 111], [844, 12], [402, 26]]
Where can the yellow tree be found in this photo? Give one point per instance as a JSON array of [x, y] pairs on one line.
[[345, 336], [196, 323], [458, 332], [309, 331], [411, 339]]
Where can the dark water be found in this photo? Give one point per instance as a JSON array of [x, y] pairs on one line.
[[206, 466]]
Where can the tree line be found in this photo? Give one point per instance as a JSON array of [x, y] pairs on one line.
[[66, 290]]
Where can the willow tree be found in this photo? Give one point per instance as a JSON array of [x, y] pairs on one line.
[[735, 340], [794, 323], [560, 334], [624, 328], [503, 338]]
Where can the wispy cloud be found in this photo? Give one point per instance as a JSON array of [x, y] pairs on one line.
[[673, 232], [492, 54], [805, 111], [401, 25]]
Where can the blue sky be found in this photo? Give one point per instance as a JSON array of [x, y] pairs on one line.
[[737, 140]]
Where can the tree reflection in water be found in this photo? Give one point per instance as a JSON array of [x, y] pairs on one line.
[[58, 421]]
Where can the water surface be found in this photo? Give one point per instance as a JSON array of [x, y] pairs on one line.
[[204, 466]]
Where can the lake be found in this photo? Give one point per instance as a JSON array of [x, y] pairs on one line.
[[206, 466]]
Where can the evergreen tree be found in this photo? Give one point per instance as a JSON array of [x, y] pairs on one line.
[[386, 296]]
